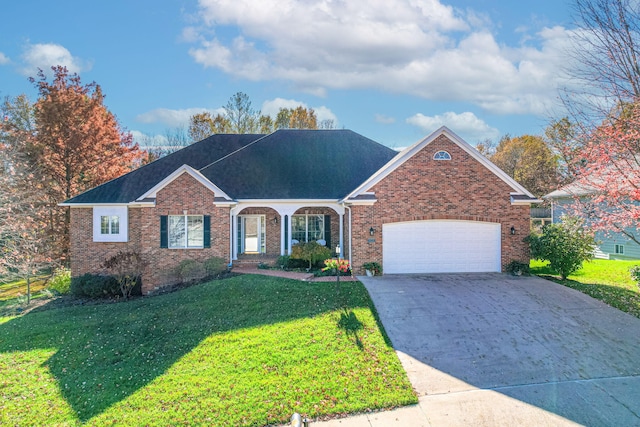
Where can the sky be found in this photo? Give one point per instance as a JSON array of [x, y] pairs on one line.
[[391, 70]]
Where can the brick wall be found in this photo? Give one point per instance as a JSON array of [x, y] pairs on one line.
[[183, 194], [423, 189]]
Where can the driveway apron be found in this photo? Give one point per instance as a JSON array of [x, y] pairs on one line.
[[494, 349]]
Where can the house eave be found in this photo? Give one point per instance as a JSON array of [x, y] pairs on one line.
[[145, 203], [524, 199]]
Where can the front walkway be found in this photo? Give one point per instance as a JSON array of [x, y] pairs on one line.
[[296, 275]]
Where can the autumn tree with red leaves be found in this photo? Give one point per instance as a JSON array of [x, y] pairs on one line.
[[74, 143], [611, 172]]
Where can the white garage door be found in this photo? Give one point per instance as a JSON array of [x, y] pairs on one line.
[[440, 247]]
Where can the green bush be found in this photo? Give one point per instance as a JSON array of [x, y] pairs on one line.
[[565, 245], [283, 262], [190, 271], [517, 268], [215, 266], [94, 286], [311, 252], [635, 274], [60, 283]]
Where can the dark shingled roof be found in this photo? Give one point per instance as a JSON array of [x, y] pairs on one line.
[[287, 164], [129, 187]]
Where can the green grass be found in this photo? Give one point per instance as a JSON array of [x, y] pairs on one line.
[[16, 288], [244, 351], [606, 280]]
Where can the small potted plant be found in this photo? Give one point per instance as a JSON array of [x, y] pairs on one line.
[[518, 268], [372, 268]]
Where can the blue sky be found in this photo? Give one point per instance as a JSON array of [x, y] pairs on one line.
[[392, 70]]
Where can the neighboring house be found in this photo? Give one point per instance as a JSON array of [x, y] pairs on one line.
[[437, 206], [611, 245]]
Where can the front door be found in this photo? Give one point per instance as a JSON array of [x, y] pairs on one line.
[[252, 234]]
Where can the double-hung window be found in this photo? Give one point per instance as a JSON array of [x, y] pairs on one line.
[[307, 228], [110, 224], [185, 231]]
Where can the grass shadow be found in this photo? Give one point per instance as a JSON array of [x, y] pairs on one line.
[[104, 353]]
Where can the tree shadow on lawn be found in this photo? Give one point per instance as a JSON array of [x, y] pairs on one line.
[[106, 352]]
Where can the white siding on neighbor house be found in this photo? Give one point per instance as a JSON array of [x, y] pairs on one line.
[[606, 241]]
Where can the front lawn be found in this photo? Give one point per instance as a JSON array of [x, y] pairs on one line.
[[248, 350], [606, 280]]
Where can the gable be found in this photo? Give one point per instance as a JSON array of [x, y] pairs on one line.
[[466, 163]]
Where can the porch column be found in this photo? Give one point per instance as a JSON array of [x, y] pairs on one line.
[[234, 233], [282, 232], [289, 235], [341, 234]]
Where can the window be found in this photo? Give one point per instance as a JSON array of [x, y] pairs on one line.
[[442, 155], [620, 249], [186, 231], [110, 224], [307, 228]]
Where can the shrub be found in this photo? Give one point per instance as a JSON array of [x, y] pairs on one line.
[[311, 252], [127, 268], [94, 286], [190, 271], [517, 268], [284, 261], [374, 267], [635, 274], [60, 283], [565, 245], [215, 266]]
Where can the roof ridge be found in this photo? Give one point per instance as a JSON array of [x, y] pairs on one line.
[[234, 152]]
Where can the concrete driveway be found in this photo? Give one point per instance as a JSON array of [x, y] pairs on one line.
[[493, 349]]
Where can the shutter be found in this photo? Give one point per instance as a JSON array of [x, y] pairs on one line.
[[327, 231], [207, 231], [286, 233], [164, 231]]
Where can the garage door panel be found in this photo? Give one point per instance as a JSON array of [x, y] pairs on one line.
[[441, 247]]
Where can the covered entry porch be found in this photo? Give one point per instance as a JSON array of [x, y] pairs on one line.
[[268, 230]]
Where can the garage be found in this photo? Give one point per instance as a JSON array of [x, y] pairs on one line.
[[441, 246]]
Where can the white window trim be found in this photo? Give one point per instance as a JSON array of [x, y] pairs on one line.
[[123, 218], [186, 232], [306, 231], [447, 157]]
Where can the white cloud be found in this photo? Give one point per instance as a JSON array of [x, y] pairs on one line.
[[173, 118], [4, 59], [418, 47], [384, 119], [148, 141], [272, 107], [466, 124], [46, 55]]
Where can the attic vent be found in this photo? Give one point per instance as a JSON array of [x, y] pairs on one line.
[[442, 155]]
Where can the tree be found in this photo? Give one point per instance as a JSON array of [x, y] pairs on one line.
[[565, 245], [75, 144], [203, 125], [610, 169], [127, 268], [529, 161], [312, 252], [240, 114], [605, 53], [561, 136], [25, 238]]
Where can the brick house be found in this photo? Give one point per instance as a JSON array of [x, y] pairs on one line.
[[437, 206]]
